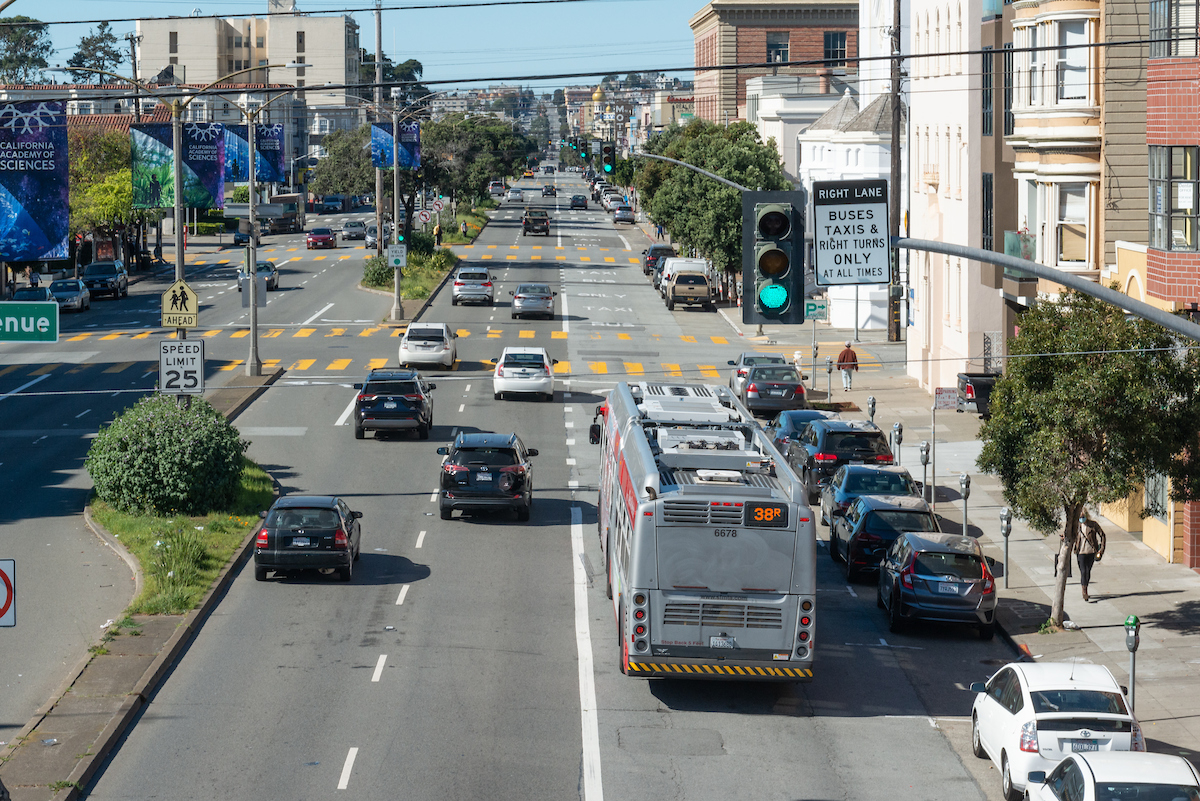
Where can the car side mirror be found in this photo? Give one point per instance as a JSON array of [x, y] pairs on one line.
[[730, 363], [803, 377], [443, 451], [358, 386], [555, 294], [532, 451], [594, 434], [263, 515], [1037, 777], [510, 292], [644, 252], [356, 515], [432, 387], [978, 687]]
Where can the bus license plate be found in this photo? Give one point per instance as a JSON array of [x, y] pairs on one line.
[[722, 642], [1085, 745]]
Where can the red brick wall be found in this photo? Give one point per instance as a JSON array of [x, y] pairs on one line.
[[706, 85], [1173, 275], [1191, 535], [806, 43], [1173, 101]]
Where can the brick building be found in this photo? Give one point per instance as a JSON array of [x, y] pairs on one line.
[[726, 32]]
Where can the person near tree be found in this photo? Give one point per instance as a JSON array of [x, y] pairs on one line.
[[1088, 551], [437, 234], [847, 362]]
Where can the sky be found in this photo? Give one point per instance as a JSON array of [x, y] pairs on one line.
[[453, 44]]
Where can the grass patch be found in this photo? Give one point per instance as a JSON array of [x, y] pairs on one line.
[[421, 276], [475, 220], [1048, 627], [180, 555]]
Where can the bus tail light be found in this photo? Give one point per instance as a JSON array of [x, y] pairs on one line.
[[804, 628], [641, 613]]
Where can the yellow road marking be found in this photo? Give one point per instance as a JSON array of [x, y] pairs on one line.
[[271, 363], [673, 370], [339, 364], [511, 258], [525, 334], [491, 246], [690, 339], [289, 250], [10, 368], [233, 365], [562, 367], [304, 332], [49, 368], [79, 337], [318, 258], [273, 333], [559, 247], [336, 332], [634, 368], [399, 331], [211, 333], [537, 247], [535, 258], [598, 367], [558, 334], [462, 332], [172, 335], [719, 340], [375, 364], [494, 333], [624, 336], [487, 255], [142, 335], [513, 247], [366, 332], [302, 364], [585, 258], [120, 367], [240, 334], [609, 258], [114, 335], [708, 371], [560, 258], [634, 261], [580, 248], [605, 250]]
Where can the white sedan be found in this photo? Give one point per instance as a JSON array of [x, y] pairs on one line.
[[428, 343], [526, 371], [1116, 776], [515, 196]]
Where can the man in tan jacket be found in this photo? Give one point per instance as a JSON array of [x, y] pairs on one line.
[[1089, 550]]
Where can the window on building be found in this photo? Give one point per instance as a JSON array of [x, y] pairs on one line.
[[1174, 173], [1172, 28], [1072, 61], [173, 42], [986, 90], [230, 65], [259, 42], [229, 42], [835, 48], [173, 60], [237, 43], [1009, 119], [300, 70], [1072, 223], [1157, 500], [299, 41], [1035, 66], [989, 212], [262, 62], [777, 46]]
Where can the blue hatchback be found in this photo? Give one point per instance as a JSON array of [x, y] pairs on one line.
[[853, 480]]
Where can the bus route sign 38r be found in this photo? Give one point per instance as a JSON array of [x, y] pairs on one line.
[[181, 366]]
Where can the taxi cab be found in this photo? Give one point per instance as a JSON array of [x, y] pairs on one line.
[[528, 174]]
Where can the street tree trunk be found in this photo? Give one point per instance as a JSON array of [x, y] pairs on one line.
[[1066, 549]]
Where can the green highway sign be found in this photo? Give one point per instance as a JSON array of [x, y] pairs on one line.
[[29, 321]]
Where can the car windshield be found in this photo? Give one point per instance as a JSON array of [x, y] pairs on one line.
[[265, 266], [662, 253], [763, 360], [1071, 700], [297, 518], [854, 442], [426, 335], [692, 280], [472, 276], [372, 230], [29, 294], [893, 521], [785, 375], [391, 388], [579, 197], [878, 484], [493, 457], [959, 565], [1130, 791], [533, 289], [524, 360], [64, 286], [354, 224], [322, 232], [100, 269], [531, 214]]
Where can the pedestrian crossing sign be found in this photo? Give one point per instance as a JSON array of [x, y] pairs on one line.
[[180, 307]]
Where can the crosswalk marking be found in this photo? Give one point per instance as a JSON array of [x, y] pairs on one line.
[[233, 365], [672, 370], [120, 367], [366, 332], [211, 333], [562, 367], [558, 334], [79, 337], [339, 364], [113, 335], [304, 332], [270, 364], [609, 258], [634, 368], [245, 332], [525, 334], [376, 364], [708, 371], [302, 364], [336, 332], [598, 367], [719, 340]]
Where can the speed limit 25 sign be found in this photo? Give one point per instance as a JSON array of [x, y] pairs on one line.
[[181, 367]]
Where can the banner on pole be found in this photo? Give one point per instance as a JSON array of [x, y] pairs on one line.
[[153, 161], [34, 201], [268, 154], [382, 143]]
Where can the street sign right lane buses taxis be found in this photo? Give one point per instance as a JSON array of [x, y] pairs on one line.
[[709, 545]]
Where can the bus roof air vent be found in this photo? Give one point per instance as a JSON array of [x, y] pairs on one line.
[[723, 476]]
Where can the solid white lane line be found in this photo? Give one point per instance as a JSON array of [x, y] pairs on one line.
[[400, 598], [379, 667], [318, 314], [344, 781], [341, 421], [81, 414], [624, 241], [566, 325], [593, 789], [30, 384], [420, 539]]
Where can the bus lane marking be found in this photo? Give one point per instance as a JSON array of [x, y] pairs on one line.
[[593, 789]]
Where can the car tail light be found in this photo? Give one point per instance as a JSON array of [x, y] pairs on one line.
[[784, 440], [519, 469], [459, 283], [969, 391], [412, 398], [362, 398], [340, 541], [884, 458], [989, 582], [1137, 740], [868, 537], [752, 387], [906, 576], [742, 372], [486, 283], [1029, 741], [261, 540], [452, 468], [798, 389], [499, 371], [824, 457]]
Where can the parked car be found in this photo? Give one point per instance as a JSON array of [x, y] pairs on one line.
[[852, 480], [789, 425], [535, 221], [321, 238], [71, 293], [624, 214], [485, 471], [515, 196], [428, 343], [393, 400], [860, 537], [690, 289], [308, 532], [240, 238], [742, 364], [670, 265], [938, 577], [579, 202], [1116, 776], [106, 278], [34, 293], [524, 371], [533, 299], [266, 270], [354, 229], [773, 388], [1030, 716], [826, 445], [651, 255], [473, 285], [975, 392], [549, 191]]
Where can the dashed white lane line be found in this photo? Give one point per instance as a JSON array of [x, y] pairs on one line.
[[420, 539], [467, 388], [400, 597], [433, 497], [850, 590], [570, 442], [593, 789], [569, 424], [30, 384], [461, 406], [570, 461], [81, 414], [344, 781], [566, 325], [315, 316], [341, 421], [379, 667]]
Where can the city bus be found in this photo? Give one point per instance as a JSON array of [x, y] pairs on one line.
[[709, 544]]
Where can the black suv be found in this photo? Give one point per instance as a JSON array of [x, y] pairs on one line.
[[486, 471], [826, 445], [549, 191], [391, 400], [106, 278], [653, 254]]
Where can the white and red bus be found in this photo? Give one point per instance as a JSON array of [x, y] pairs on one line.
[[709, 545]]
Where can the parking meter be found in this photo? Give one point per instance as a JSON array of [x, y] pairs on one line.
[[828, 377], [964, 484], [925, 452], [1132, 636], [898, 436], [1005, 531], [871, 408], [924, 466]]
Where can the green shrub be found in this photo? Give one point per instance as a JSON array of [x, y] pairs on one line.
[[161, 457], [420, 243], [377, 272]]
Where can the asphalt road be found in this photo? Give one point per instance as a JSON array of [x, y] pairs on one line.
[[450, 668]]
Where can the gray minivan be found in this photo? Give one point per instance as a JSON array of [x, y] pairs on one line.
[[932, 576]]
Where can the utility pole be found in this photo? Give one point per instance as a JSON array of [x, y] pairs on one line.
[[378, 101], [895, 290], [135, 39]]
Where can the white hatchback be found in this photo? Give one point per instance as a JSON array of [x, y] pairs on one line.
[[1117, 775], [428, 343], [526, 371], [1030, 716]]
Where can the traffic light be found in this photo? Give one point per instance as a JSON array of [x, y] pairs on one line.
[[608, 157], [772, 257]]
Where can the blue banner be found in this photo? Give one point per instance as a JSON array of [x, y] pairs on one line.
[[34, 189], [268, 154], [382, 143], [152, 162]]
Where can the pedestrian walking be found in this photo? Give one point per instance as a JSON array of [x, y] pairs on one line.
[[437, 235], [1088, 551], [35, 278], [462, 228], [848, 363], [658, 231]]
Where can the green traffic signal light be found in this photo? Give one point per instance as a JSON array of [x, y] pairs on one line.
[[772, 258], [773, 296], [608, 158]]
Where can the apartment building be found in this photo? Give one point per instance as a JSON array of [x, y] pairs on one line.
[[823, 33]]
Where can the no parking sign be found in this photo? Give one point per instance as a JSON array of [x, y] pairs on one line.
[[8, 592]]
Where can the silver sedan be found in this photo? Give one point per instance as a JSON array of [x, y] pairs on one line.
[[71, 293], [532, 299], [624, 214], [741, 368]]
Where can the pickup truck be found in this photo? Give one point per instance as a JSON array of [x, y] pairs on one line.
[[690, 288], [535, 221], [975, 392]]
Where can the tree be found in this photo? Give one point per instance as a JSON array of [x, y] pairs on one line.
[[105, 204], [346, 168], [633, 80], [407, 75], [558, 98], [97, 50], [93, 156], [24, 47], [462, 154], [698, 211], [1091, 406]]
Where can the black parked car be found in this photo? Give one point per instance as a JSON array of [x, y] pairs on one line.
[[871, 524], [106, 278], [393, 400], [651, 256], [773, 388], [826, 445], [487, 471], [308, 532]]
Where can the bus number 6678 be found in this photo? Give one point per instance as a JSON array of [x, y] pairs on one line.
[[725, 532]]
